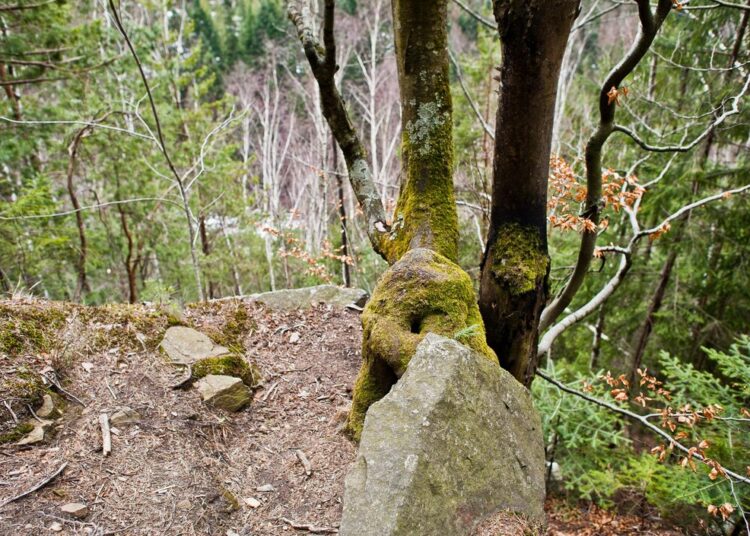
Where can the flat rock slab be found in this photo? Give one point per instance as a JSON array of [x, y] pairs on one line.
[[78, 510], [456, 440], [304, 298], [185, 346], [225, 392]]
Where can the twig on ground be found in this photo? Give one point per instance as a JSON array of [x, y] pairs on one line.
[[39, 486], [109, 387], [33, 413], [304, 461], [106, 434], [309, 527], [268, 393], [15, 419], [51, 377]]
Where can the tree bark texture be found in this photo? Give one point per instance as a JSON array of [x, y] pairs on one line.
[[516, 264]]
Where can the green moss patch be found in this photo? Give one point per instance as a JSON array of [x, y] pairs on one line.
[[518, 259], [228, 365], [16, 434], [423, 293]]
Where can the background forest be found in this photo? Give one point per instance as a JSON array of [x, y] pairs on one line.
[[258, 198]]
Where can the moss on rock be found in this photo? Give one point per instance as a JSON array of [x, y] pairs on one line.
[[422, 293], [228, 365], [17, 433]]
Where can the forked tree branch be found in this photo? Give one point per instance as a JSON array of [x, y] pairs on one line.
[[322, 60], [650, 22], [685, 147]]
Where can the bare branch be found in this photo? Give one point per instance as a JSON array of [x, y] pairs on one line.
[[625, 262], [488, 130], [163, 147], [322, 61], [733, 110], [476, 16], [650, 24], [639, 418]]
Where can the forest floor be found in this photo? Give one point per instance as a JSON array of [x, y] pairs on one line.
[[186, 468]]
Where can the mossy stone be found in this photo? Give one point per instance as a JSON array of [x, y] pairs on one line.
[[229, 365], [16, 433], [456, 440]]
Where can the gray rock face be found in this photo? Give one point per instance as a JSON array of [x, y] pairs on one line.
[[185, 346], [304, 298], [456, 440], [225, 392]]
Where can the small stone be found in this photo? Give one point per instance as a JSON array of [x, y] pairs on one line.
[[48, 409], [77, 510], [252, 502], [184, 504], [265, 488], [125, 416], [186, 346], [37, 434], [88, 367], [224, 392], [294, 338], [56, 527]]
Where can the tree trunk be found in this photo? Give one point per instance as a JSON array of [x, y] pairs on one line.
[[82, 286], [425, 215], [424, 291], [644, 332], [342, 216], [515, 264]]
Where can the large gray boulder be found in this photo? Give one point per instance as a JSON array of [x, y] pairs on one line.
[[456, 440], [304, 298]]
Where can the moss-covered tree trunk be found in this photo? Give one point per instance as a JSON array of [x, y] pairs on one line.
[[424, 290], [513, 291]]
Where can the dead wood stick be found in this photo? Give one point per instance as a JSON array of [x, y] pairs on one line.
[[309, 527], [106, 434], [268, 393], [15, 419], [40, 485], [304, 461]]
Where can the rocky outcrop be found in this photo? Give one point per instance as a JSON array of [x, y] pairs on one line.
[[456, 440], [304, 298]]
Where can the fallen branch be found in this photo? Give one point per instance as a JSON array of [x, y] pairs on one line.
[[106, 434], [309, 527], [39, 486]]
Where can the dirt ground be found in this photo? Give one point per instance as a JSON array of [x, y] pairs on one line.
[[186, 468]]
